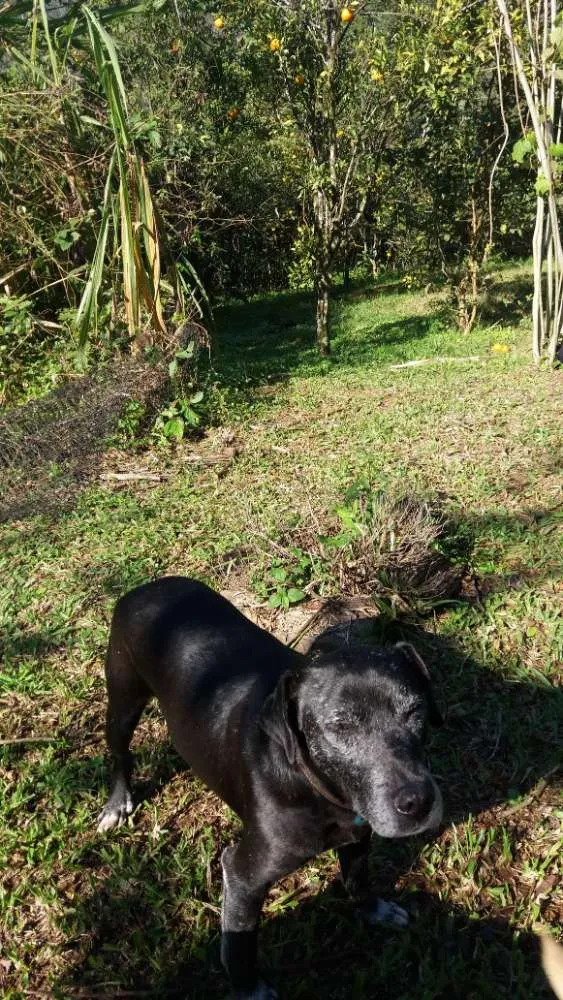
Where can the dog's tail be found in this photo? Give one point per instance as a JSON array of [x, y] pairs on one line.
[[552, 961]]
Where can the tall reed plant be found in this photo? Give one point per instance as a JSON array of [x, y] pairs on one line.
[[128, 210]]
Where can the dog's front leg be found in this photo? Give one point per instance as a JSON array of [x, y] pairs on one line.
[[353, 860], [244, 887]]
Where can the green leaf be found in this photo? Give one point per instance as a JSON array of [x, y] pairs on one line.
[[191, 417], [276, 600], [88, 120], [542, 184], [556, 150], [197, 397], [174, 429], [279, 574], [294, 595], [187, 352], [556, 37], [522, 149], [336, 541], [87, 312]]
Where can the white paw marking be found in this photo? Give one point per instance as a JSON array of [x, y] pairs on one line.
[[383, 912], [114, 815]]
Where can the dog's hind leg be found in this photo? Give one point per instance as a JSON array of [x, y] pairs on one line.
[[127, 696]]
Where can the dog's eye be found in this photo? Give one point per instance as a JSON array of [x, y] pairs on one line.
[[336, 732], [336, 728], [413, 715]]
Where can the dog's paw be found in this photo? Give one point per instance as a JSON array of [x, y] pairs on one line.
[[261, 992], [380, 911], [114, 814]]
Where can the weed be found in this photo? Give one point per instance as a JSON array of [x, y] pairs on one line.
[[389, 548], [178, 419], [284, 580]]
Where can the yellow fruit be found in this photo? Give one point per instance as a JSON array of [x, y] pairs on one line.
[[377, 76], [275, 45], [300, 79], [346, 15], [233, 114], [500, 348], [219, 22], [340, 134]]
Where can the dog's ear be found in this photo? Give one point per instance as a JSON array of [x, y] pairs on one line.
[[278, 718], [408, 651]]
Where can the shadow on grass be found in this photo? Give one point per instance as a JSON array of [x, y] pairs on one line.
[[506, 302], [150, 925], [543, 525], [318, 950], [266, 342], [36, 644]]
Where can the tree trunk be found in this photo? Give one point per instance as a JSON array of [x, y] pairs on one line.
[[538, 317], [346, 275], [323, 306]]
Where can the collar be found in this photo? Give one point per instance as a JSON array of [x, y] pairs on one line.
[[318, 785]]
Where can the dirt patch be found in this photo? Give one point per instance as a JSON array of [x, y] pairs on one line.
[[301, 625]]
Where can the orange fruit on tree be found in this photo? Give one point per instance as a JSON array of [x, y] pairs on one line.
[[233, 114], [275, 44], [300, 79], [219, 22], [346, 15]]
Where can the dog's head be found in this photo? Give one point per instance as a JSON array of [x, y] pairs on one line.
[[357, 719]]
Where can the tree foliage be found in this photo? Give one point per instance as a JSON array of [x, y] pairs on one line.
[[260, 144]]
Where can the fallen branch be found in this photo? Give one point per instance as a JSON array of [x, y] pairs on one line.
[[30, 739], [343, 606], [436, 361], [133, 477]]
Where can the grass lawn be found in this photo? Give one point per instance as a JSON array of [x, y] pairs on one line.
[[135, 913]]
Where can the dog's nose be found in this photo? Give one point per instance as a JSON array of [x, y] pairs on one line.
[[414, 799]]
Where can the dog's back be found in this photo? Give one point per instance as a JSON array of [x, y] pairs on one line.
[[209, 667]]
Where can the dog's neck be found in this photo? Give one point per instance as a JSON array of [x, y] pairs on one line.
[[319, 787], [317, 783]]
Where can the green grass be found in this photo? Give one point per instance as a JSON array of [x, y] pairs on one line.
[[136, 913]]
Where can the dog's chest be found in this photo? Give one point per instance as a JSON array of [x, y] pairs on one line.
[[336, 830]]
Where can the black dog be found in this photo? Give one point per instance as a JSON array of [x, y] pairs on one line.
[[311, 752]]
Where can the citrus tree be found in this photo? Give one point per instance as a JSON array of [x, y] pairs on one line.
[[226, 172], [321, 67], [457, 138]]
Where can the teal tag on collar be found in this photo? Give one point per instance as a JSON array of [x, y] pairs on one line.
[[359, 821]]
